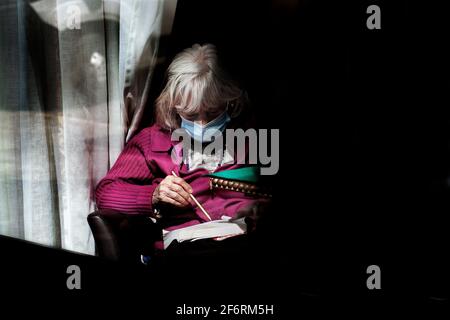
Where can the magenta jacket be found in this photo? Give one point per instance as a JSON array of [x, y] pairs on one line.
[[144, 162]]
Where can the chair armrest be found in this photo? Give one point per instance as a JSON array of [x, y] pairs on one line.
[[122, 237]]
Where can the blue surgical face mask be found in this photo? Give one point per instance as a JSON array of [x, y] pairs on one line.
[[205, 133]]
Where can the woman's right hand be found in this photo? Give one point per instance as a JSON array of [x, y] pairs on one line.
[[173, 190]]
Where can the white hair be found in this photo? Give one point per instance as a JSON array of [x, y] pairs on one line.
[[195, 83]]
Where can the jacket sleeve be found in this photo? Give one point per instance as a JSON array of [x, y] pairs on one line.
[[128, 187]]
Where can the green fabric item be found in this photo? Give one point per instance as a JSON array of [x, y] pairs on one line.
[[247, 174]]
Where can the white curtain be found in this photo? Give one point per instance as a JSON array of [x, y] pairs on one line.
[[74, 77]]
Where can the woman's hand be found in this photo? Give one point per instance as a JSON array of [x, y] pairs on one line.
[[173, 190], [253, 212]]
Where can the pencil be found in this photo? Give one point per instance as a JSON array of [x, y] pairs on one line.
[[196, 202]]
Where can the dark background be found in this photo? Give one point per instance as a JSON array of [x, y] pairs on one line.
[[364, 175], [364, 126]]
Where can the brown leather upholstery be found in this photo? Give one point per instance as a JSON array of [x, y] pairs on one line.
[[122, 237]]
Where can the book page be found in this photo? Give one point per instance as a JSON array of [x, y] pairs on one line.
[[220, 229]]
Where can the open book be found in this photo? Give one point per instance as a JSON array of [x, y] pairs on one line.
[[217, 229]]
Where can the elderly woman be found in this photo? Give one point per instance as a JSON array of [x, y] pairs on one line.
[[145, 179]]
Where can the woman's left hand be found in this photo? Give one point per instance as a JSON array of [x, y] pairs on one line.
[[252, 213]]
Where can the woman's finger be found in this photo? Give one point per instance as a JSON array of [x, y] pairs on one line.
[[172, 202], [178, 189], [175, 196], [183, 184]]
